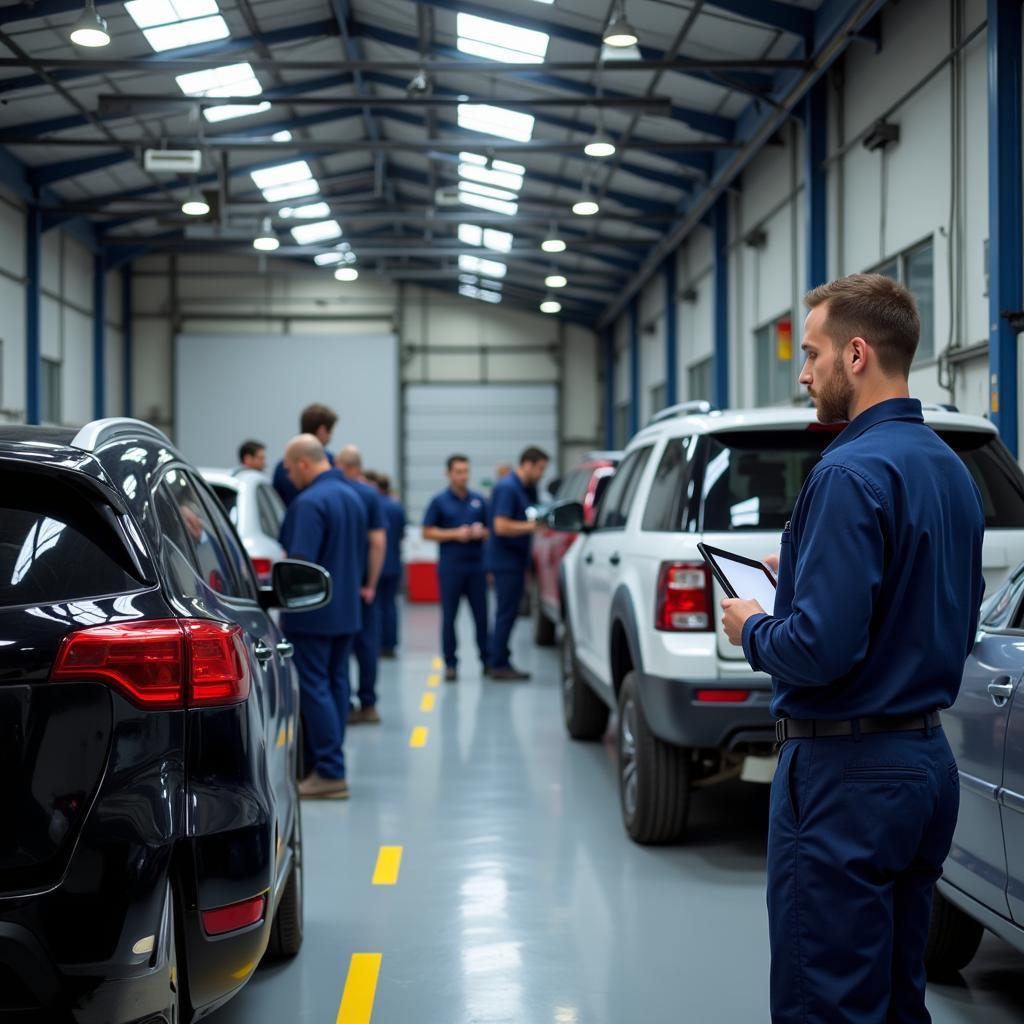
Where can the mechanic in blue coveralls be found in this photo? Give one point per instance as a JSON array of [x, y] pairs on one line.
[[457, 519], [325, 524], [877, 604]]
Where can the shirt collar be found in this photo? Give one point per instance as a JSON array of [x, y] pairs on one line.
[[907, 410], [451, 491]]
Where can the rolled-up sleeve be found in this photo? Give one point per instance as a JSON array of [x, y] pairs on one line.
[[837, 576]]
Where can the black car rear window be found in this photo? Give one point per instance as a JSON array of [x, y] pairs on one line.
[[56, 545], [998, 477], [228, 497]]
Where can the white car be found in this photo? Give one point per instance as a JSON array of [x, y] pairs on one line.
[[256, 510], [642, 634]]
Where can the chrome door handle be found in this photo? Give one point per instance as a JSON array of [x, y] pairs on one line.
[[285, 649], [615, 559], [263, 651], [1000, 690]]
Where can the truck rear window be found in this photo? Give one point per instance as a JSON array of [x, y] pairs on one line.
[[56, 546]]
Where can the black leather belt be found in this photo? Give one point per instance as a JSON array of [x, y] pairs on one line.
[[809, 728]]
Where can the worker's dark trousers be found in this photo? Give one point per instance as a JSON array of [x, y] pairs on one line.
[[508, 592], [455, 584], [322, 663], [387, 603], [858, 833], [367, 651]]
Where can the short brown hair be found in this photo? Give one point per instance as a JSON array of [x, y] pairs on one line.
[[316, 416], [534, 455], [875, 308]]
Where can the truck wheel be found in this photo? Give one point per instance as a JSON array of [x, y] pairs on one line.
[[544, 629], [953, 938], [586, 715], [286, 931], [654, 776]]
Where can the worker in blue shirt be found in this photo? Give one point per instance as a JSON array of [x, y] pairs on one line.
[[391, 574], [319, 421], [457, 519], [325, 524], [877, 604], [366, 646], [508, 553]]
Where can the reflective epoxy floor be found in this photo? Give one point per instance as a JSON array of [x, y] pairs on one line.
[[519, 898]]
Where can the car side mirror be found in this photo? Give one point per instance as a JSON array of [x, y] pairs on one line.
[[297, 586], [566, 517]]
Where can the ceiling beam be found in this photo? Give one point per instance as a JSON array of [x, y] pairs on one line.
[[798, 21]]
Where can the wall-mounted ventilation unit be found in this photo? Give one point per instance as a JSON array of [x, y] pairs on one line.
[[172, 161]]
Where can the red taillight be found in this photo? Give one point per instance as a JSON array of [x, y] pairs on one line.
[[722, 696], [264, 567], [167, 663], [238, 915], [684, 597]]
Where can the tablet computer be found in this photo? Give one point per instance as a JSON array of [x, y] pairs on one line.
[[741, 577]]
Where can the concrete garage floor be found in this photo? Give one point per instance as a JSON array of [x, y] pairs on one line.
[[519, 898]]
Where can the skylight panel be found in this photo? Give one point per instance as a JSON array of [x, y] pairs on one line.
[[321, 231], [311, 211], [147, 13], [186, 33], [473, 158], [327, 259], [472, 292], [281, 174], [504, 165], [479, 265], [491, 120], [229, 110], [486, 203], [471, 234], [498, 40], [231, 80], [489, 176], [499, 241], [487, 190], [294, 190], [282, 136]]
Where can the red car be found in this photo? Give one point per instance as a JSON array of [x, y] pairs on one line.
[[585, 483]]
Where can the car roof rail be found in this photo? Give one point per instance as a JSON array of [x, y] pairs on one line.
[[697, 408], [939, 407], [99, 432]]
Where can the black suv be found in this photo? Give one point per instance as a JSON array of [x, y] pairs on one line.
[[149, 735]]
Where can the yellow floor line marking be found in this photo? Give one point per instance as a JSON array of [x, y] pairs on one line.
[[433, 680], [429, 699], [438, 663], [389, 860], [360, 989], [419, 736]]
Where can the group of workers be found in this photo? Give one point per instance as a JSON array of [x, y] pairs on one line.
[[346, 520]]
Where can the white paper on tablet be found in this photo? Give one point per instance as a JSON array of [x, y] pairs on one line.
[[750, 583]]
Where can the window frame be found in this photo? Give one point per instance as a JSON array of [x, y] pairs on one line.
[[638, 457], [698, 367], [679, 503], [900, 260]]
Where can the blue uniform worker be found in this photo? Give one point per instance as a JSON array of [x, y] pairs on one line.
[[366, 646], [508, 553], [317, 421], [326, 524], [391, 574], [877, 604], [457, 518]]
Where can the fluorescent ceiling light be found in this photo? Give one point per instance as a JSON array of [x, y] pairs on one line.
[[326, 259], [283, 136], [346, 274], [311, 211], [553, 245], [265, 243], [321, 231], [613, 53], [586, 207], [486, 203], [472, 292], [281, 174], [600, 146], [551, 306], [195, 206], [90, 29], [555, 281], [489, 176], [479, 265], [498, 40], [491, 120], [619, 32]]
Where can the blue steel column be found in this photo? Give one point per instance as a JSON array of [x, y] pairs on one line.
[[671, 350], [609, 388], [634, 365], [816, 208], [1006, 260], [128, 339], [33, 375], [720, 227], [99, 336]]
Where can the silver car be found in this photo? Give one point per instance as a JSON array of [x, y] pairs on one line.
[[256, 510]]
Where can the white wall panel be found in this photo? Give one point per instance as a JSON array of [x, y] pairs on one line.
[[12, 336], [77, 369], [861, 211], [974, 194], [51, 329], [12, 231], [78, 273], [114, 372], [50, 261]]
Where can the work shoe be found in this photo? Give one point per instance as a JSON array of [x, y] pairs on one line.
[[508, 674], [364, 716], [451, 675], [316, 787]]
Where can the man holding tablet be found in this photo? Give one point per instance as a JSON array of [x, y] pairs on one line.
[[879, 585]]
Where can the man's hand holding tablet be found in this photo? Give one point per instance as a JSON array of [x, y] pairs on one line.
[[750, 584]]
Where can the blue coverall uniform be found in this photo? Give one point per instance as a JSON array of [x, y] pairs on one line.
[[876, 610], [508, 558], [460, 569], [366, 646], [326, 524], [391, 574]]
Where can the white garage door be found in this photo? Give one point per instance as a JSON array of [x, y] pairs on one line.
[[491, 423]]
